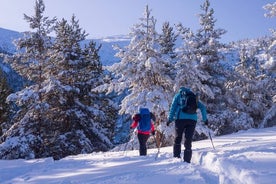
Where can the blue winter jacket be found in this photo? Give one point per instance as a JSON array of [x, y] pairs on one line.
[[176, 112]]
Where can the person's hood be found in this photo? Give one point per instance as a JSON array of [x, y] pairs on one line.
[[184, 89]]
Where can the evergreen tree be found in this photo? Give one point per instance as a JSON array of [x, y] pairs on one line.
[[186, 49], [196, 47], [248, 65], [59, 113], [206, 46], [31, 62], [253, 87], [207, 38], [4, 107], [199, 55], [67, 51], [198, 67], [271, 63], [187, 71], [32, 58], [143, 72], [78, 71], [142, 69], [271, 10], [167, 40]]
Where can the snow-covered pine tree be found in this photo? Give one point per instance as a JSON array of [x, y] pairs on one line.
[[271, 63], [207, 37], [187, 71], [271, 9], [167, 40], [78, 115], [4, 107], [206, 48], [199, 55], [198, 66], [32, 57], [253, 88], [72, 118], [23, 139], [143, 72]]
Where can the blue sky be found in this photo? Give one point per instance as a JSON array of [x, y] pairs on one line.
[[100, 18]]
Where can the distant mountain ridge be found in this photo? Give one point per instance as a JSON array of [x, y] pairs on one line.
[[107, 52], [7, 38]]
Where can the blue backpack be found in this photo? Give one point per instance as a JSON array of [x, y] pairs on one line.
[[145, 119]]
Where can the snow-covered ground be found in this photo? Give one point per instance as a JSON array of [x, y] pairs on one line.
[[241, 158]]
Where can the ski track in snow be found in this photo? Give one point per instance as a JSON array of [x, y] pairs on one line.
[[248, 157]]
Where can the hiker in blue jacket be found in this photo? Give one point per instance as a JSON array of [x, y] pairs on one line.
[[184, 123]]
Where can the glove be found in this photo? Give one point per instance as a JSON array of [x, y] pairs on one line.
[[153, 133], [168, 123], [206, 122]]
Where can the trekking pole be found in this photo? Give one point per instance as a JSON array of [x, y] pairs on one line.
[[131, 135], [124, 153], [211, 139]]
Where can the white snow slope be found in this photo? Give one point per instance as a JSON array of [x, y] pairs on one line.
[[246, 157]]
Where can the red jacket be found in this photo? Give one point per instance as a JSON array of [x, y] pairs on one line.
[[135, 124]]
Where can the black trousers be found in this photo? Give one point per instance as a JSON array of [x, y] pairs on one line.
[[143, 138], [186, 126]]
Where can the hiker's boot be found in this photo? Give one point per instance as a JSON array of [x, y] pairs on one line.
[[187, 156], [143, 152], [176, 150]]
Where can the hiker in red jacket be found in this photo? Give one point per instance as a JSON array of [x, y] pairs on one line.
[[144, 123]]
